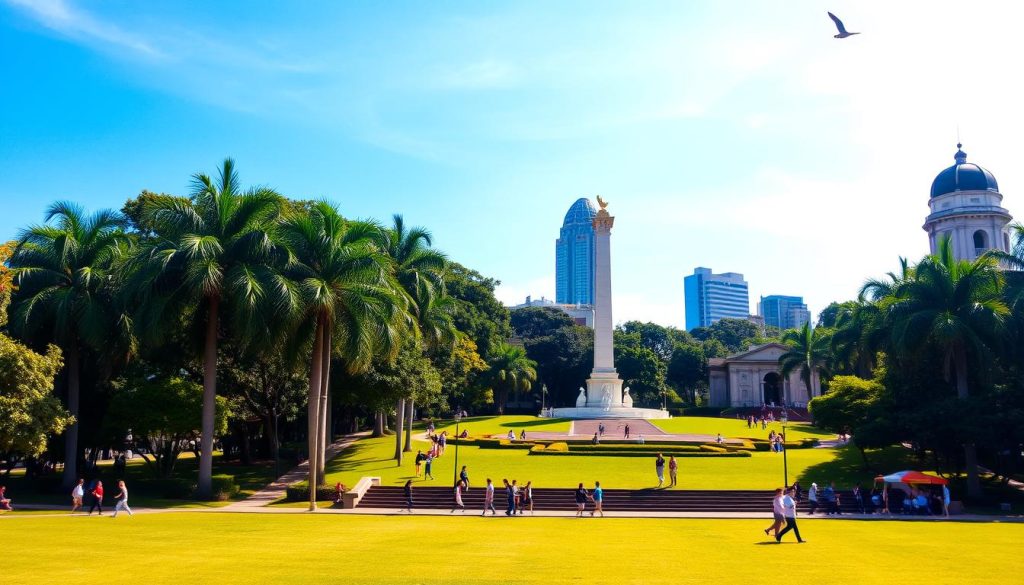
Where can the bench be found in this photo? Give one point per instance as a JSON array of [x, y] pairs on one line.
[[350, 499]]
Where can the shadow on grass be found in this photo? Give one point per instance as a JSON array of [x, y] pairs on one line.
[[848, 469]]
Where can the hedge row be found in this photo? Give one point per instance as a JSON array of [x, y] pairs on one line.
[[299, 492], [171, 488]]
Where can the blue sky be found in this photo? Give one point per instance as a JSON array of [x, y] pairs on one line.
[[739, 136]]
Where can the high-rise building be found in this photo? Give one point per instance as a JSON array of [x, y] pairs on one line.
[[710, 297], [966, 207], [574, 255], [784, 312]]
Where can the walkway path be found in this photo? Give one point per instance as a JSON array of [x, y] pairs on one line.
[[276, 490], [614, 429]]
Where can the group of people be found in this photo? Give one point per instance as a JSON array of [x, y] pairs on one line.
[[754, 421], [784, 514], [828, 499], [582, 496], [776, 442], [96, 493], [673, 470], [518, 499]]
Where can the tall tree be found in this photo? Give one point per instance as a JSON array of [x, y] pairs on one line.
[[808, 351], [63, 272], [511, 371], [957, 307], [344, 299], [420, 271], [210, 258]]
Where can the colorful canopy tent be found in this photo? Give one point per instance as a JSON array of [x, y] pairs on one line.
[[911, 478]]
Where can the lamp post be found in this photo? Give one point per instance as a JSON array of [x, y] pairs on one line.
[[455, 472], [785, 463], [543, 394]]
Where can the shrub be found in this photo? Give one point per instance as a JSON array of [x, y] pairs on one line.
[[713, 449], [650, 454], [537, 448], [224, 487], [299, 492], [559, 447], [602, 448]]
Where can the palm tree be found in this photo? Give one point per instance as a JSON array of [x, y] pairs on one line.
[[419, 270], [808, 351], [511, 371], [346, 299], [210, 259], [64, 273], [957, 307]]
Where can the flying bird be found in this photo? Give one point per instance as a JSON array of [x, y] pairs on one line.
[[842, 29]]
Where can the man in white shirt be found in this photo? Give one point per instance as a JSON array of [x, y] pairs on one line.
[[777, 513], [789, 512], [77, 494]]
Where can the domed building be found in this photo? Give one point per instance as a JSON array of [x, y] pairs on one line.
[[574, 255], [966, 206]]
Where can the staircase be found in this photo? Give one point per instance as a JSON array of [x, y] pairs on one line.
[[550, 499]]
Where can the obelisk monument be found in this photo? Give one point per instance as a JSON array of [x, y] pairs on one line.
[[604, 387]]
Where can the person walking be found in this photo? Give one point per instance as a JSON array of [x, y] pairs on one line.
[[777, 513], [812, 498], [489, 499], [5, 502], [581, 500], [459, 486], [420, 458], [121, 497], [427, 463], [526, 498], [627, 431], [789, 514], [510, 496], [97, 498], [858, 498], [464, 476], [600, 429], [673, 467], [598, 498], [659, 468], [408, 495], [945, 500], [77, 495], [516, 495]]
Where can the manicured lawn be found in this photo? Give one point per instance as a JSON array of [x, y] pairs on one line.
[[736, 428], [372, 457], [223, 548]]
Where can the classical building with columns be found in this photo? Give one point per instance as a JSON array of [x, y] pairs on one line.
[[967, 207], [753, 378]]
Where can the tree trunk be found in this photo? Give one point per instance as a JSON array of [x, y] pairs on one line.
[[378, 424], [970, 451], [323, 436], [409, 411], [399, 426], [273, 447], [71, 434], [209, 399], [313, 410]]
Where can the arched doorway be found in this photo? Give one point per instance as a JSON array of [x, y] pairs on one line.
[[772, 385]]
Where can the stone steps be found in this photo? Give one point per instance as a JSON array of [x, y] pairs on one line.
[[652, 500]]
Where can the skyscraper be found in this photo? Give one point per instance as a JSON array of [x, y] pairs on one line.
[[710, 297], [783, 311], [574, 255]]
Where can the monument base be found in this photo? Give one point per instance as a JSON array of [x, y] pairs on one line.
[[604, 390], [586, 412]]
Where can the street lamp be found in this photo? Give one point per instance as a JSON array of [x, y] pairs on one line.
[[543, 393], [455, 472], [785, 463]]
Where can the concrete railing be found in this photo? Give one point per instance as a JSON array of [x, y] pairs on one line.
[[350, 499]]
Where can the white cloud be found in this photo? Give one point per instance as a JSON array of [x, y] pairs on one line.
[[63, 18]]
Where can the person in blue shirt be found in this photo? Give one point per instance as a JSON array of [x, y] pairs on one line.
[[510, 494], [598, 497]]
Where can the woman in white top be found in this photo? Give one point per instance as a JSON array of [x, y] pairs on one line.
[[458, 496], [77, 495]]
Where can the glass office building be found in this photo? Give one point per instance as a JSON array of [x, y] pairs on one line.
[[784, 312], [574, 255], [710, 297]]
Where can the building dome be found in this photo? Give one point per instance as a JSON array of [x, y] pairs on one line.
[[581, 212], [963, 176]]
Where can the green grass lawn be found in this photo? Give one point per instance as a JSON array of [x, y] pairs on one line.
[[763, 470], [737, 428], [268, 548]]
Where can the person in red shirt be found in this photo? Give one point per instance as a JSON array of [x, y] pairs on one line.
[[97, 498]]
